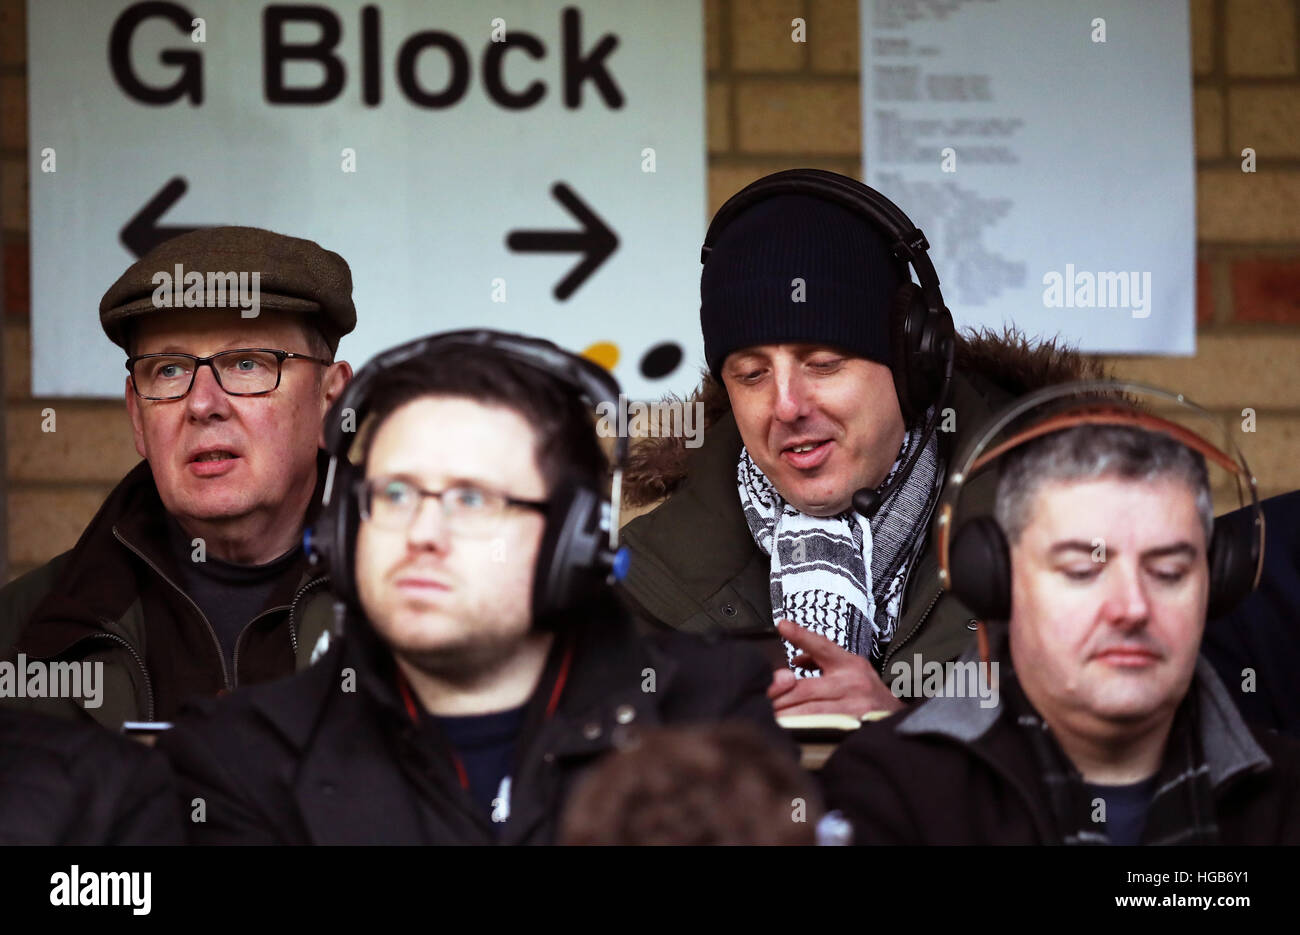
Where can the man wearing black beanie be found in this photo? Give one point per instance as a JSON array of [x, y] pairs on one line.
[[801, 307]]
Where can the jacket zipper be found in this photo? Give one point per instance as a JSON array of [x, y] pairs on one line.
[[897, 644], [293, 610], [221, 657], [292, 606], [148, 682]]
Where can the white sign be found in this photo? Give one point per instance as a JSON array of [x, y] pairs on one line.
[[1045, 149], [530, 166]]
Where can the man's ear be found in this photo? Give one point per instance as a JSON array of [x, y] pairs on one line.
[[137, 420], [337, 376]]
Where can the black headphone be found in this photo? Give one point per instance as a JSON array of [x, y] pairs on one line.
[[579, 547], [976, 567], [921, 329]]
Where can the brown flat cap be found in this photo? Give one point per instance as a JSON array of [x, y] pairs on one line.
[[293, 275]]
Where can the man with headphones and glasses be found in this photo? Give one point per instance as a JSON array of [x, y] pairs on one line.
[[1094, 577], [837, 390], [483, 662]]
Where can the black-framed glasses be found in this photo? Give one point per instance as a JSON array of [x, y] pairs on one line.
[[392, 503], [243, 371]]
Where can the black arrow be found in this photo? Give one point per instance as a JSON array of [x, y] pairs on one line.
[[595, 239], [142, 233]]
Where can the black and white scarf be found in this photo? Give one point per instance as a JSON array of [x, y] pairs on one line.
[[841, 576]]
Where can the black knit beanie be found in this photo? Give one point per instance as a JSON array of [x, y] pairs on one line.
[[749, 294]]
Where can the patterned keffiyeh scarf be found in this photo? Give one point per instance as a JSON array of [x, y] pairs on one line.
[[841, 576]]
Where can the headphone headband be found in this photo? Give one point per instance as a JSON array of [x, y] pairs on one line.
[[1111, 415], [1113, 411], [589, 379]]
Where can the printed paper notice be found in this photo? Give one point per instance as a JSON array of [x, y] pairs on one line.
[[1045, 149]]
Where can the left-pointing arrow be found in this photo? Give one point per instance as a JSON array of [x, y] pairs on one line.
[[142, 233], [595, 239]]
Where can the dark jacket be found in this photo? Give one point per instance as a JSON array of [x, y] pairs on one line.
[[695, 566], [1262, 634], [952, 772], [114, 598], [304, 760], [69, 783]]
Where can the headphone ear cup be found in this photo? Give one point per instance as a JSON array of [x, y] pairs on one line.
[[979, 565], [570, 553], [1232, 558], [904, 332], [335, 536], [920, 341]]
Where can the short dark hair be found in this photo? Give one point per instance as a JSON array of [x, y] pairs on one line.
[[715, 784], [317, 344], [564, 431]]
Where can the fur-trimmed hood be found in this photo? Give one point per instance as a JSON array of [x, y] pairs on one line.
[[656, 466]]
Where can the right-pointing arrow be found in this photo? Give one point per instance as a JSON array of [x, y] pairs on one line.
[[596, 240]]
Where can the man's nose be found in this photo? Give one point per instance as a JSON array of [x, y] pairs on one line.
[[428, 527], [1127, 604], [792, 400], [207, 398]]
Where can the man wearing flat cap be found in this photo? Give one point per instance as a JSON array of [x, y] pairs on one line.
[[191, 579]]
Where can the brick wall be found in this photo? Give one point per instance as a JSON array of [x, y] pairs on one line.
[[774, 104], [55, 480], [1246, 94]]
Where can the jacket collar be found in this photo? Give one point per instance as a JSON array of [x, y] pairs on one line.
[[609, 698], [325, 715], [99, 583], [602, 691], [348, 740], [1229, 746], [708, 498], [145, 530], [1226, 742]]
